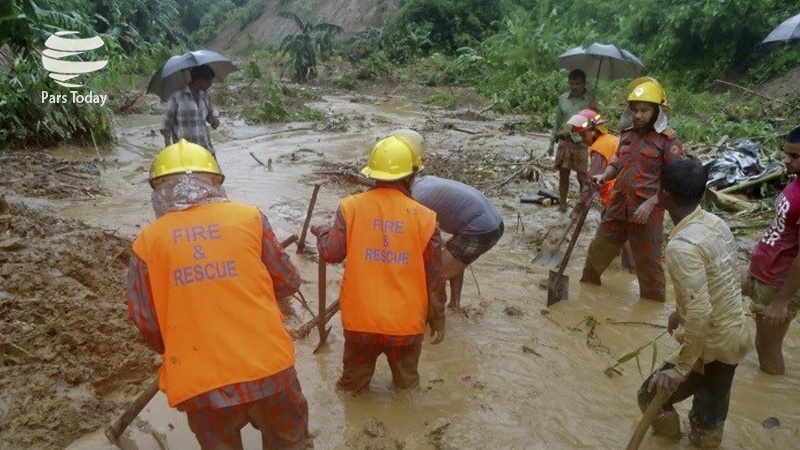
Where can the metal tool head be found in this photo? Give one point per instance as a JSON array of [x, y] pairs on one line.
[[557, 288]]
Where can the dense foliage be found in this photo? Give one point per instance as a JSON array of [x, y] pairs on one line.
[[506, 50], [141, 27]]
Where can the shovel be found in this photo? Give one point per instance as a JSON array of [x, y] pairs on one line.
[[301, 243], [558, 283], [653, 410], [552, 256], [322, 313]]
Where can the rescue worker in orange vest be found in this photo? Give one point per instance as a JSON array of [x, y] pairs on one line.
[[393, 283], [202, 287]]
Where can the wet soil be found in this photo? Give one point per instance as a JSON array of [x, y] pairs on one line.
[[506, 376], [66, 349]]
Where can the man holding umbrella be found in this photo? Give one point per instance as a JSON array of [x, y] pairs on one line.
[[183, 82], [189, 109], [571, 155]]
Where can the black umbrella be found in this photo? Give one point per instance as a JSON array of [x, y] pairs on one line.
[[174, 74], [603, 61], [787, 30]]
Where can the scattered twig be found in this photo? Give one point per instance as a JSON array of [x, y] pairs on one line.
[[355, 178], [463, 130], [629, 322], [129, 102], [487, 108], [751, 91], [257, 160], [478, 286], [299, 296], [91, 133], [511, 177]]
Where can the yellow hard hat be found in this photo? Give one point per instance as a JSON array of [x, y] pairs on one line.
[[183, 157], [415, 141], [647, 89], [391, 159]]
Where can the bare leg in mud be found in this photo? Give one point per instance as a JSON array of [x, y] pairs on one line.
[[454, 271], [769, 343]]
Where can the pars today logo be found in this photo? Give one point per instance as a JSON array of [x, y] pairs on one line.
[[55, 60]]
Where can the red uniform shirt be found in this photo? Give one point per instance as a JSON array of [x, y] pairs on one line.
[[775, 252], [639, 161]]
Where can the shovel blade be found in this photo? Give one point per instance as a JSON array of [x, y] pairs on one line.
[[557, 288], [548, 258], [323, 336]]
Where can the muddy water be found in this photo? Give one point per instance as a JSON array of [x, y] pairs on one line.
[[510, 373]]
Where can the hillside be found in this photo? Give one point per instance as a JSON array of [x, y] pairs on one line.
[[352, 15]]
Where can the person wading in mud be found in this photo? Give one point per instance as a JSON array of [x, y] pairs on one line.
[[591, 127], [189, 109], [646, 145], [571, 155], [202, 286], [461, 210], [393, 283], [773, 280], [709, 319]]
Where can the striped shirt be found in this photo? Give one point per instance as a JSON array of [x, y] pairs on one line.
[[186, 119]]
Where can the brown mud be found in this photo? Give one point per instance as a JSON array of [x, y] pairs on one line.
[[509, 374]]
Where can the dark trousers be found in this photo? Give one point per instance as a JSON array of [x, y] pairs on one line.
[[711, 393]]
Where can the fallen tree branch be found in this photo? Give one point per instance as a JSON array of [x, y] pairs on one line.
[[355, 178], [747, 184], [749, 91]]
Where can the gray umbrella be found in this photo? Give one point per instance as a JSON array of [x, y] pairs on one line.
[[789, 29], [603, 61], [174, 74]]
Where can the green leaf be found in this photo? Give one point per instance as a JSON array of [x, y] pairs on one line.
[[628, 357], [655, 354]]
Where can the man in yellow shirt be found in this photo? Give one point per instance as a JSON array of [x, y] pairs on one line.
[[709, 319]]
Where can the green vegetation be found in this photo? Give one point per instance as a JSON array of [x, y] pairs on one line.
[[314, 41], [506, 50]]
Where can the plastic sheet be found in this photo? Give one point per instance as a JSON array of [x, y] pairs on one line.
[[738, 164]]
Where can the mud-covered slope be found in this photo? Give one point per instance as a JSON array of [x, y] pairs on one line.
[[352, 15]]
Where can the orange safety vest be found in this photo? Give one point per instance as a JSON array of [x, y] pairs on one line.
[[605, 145], [214, 299], [384, 288]]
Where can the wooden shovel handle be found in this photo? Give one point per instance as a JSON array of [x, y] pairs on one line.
[[650, 413], [115, 430], [575, 235], [323, 295], [301, 244]]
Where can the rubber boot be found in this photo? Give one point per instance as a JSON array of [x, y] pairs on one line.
[[705, 438], [667, 425]]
